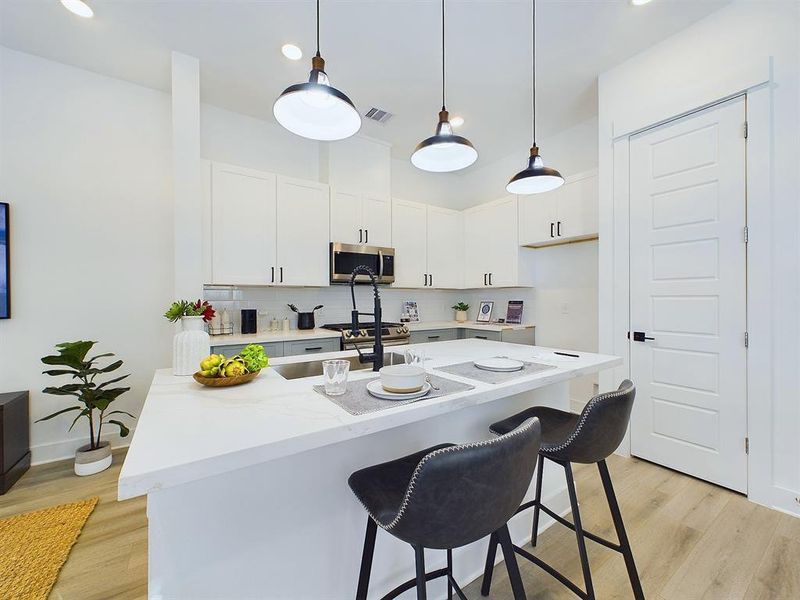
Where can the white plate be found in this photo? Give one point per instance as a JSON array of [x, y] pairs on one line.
[[500, 364], [376, 389]]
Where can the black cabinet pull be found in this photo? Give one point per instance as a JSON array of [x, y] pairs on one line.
[[431, 276], [360, 236], [484, 279], [366, 236], [558, 229], [281, 269], [273, 274], [314, 348], [480, 337], [490, 279], [551, 230], [434, 337], [425, 277]]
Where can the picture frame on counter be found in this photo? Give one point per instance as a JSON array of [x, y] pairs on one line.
[[485, 311], [411, 311], [514, 312]]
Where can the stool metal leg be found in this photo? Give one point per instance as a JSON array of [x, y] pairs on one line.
[[576, 519], [537, 500], [511, 563], [419, 553], [622, 536], [366, 560], [491, 553], [449, 574]]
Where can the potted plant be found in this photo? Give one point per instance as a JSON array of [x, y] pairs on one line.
[[192, 344], [461, 309], [94, 398]]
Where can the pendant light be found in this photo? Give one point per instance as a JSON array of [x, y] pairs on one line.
[[444, 151], [535, 178], [315, 109]]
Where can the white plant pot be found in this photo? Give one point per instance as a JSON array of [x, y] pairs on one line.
[[461, 316], [89, 462], [190, 346]]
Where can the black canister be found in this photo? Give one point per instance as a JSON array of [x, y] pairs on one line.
[[249, 320]]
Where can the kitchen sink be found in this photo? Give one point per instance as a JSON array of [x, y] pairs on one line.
[[313, 368]]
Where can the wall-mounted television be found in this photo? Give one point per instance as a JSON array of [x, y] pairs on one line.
[[5, 294]]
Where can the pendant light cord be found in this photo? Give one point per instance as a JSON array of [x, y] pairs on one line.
[[443, 59], [533, 67], [317, 27]]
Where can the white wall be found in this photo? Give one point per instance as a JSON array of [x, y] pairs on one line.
[[732, 50], [85, 165]]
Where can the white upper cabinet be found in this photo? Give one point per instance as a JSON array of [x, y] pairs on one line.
[[567, 214], [445, 248], [493, 257], [267, 229], [243, 228], [302, 239], [409, 235], [359, 219]]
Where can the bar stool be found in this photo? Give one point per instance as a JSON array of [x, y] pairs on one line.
[[446, 497], [569, 438]]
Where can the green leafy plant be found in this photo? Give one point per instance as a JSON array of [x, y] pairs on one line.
[[186, 308], [461, 306], [93, 397], [254, 357]]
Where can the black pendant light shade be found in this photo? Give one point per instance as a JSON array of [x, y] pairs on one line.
[[444, 151], [315, 109], [535, 178]]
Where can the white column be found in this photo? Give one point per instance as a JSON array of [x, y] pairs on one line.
[[186, 176]]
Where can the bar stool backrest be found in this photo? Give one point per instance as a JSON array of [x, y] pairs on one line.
[[459, 494], [600, 429]]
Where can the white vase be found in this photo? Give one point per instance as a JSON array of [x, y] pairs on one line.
[[89, 462], [461, 316], [190, 346]]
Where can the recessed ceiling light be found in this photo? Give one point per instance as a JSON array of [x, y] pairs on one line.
[[639, 2], [78, 7], [457, 121], [292, 52]]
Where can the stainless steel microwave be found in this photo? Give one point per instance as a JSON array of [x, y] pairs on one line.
[[346, 257]]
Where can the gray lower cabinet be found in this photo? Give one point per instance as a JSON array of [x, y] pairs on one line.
[[311, 346], [273, 349], [481, 334], [433, 335]]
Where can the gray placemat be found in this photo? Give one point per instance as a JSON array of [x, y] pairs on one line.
[[358, 401], [470, 371]]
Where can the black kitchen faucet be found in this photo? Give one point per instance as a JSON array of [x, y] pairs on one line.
[[376, 357]]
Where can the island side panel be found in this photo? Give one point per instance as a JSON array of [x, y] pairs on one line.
[[291, 528]]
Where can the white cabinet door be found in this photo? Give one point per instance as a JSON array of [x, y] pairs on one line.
[[303, 225], [445, 248], [577, 209], [409, 232], [243, 209], [477, 242], [503, 247], [377, 221], [346, 212], [537, 217]]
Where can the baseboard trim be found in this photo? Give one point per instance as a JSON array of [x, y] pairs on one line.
[[65, 449]]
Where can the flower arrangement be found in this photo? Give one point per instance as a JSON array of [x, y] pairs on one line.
[[186, 308]]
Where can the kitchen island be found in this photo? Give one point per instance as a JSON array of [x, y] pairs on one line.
[[247, 486]]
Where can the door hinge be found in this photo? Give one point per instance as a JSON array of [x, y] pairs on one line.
[[747, 445], [746, 129], [746, 234], [746, 339]]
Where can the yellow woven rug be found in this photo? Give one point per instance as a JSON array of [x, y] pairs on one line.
[[34, 546]]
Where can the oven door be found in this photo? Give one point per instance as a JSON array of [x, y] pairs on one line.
[[346, 257]]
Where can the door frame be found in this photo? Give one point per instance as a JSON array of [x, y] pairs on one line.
[[614, 293]]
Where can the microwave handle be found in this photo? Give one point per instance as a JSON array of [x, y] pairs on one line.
[[380, 265]]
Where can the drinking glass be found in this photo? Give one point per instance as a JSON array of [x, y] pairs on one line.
[[415, 357], [335, 376]]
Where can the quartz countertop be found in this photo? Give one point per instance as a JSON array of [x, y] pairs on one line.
[[428, 325], [188, 432]]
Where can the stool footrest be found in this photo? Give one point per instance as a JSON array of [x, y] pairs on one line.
[[411, 583], [551, 571], [587, 534]]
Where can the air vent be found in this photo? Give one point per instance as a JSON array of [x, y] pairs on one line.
[[376, 114]]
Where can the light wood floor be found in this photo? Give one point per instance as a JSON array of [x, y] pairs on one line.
[[691, 540]]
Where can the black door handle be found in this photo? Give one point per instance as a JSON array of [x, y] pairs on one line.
[[639, 336], [360, 236], [551, 230], [281, 274], [273, 274], [490, 279], [558, 229], [366, 236]]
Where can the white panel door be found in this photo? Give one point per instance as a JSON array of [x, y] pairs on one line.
[[243, 208], [303, 225], [409, 232], [478, 241], [445, 248], [377, 221], [346, 211], [688, 292]]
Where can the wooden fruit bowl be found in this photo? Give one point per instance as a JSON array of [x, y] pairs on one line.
[[225, 381]]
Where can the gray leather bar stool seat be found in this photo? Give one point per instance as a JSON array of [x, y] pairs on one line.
[[446, 497], [567, 438]]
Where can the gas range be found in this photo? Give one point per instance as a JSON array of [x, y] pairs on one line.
[[392, 334]]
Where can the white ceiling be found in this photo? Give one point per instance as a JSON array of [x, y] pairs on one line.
[[380, 53]]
